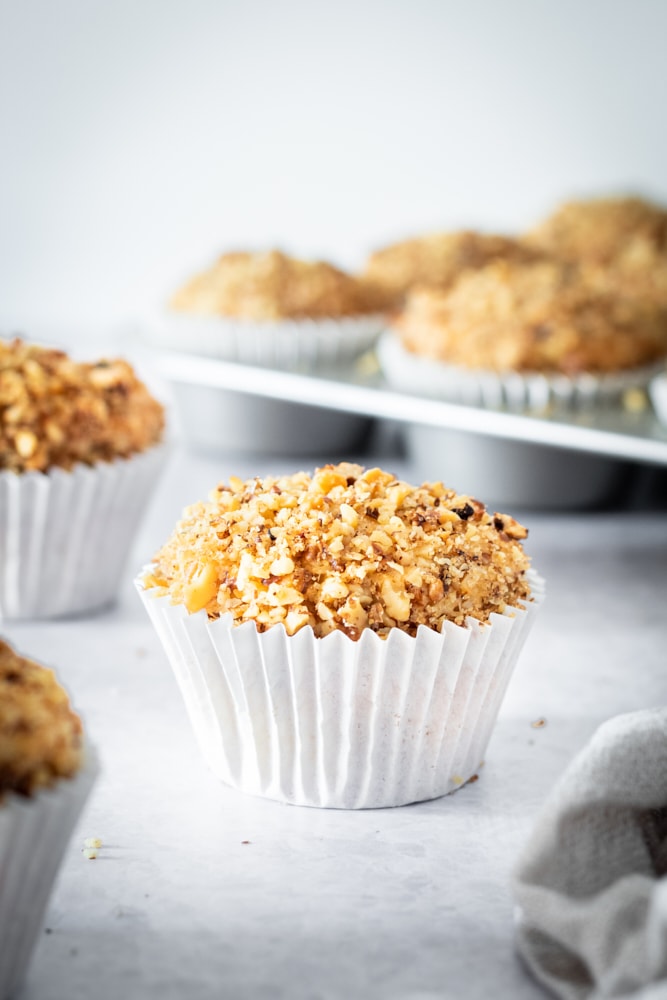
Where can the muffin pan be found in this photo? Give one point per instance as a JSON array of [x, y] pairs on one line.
[[569, 461]]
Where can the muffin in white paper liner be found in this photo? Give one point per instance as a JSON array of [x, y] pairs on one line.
[[301, 344], [519, 392], [34, 834], [336, 723], [65, 535]]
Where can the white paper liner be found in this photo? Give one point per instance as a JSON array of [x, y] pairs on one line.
[[336, 723], [300, 344], [520, 393], [658, 393], [34, 833], [65, 536]]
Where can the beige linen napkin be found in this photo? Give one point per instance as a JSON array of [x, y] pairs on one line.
[[591, 885]]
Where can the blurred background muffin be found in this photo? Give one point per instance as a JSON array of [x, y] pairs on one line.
[[80, 451], [46, 773], [438, 259], [516, 326], [621, 242], [273, 286], [271, 309]]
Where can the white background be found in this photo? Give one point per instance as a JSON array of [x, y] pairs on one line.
[[139, 138]]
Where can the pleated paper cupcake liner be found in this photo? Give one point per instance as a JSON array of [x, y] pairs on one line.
[[336, 723], [65, 536], [530, 392], [658, 392], [294, 345], [34, 834]]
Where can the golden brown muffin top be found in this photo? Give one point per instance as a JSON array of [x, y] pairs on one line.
[[344, 549], [543, 317], [273, 286], [599, 229], [439, 259], [40, 736], [56, 412]]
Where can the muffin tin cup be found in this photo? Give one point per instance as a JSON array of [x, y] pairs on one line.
[[340, 724], [293, 345], [530, 392], [34, 834], [65, 536]]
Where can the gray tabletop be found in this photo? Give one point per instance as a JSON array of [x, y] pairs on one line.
[[200, 891]]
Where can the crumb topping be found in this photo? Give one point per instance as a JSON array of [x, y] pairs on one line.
[[40, 735], [347, 549], [56, 412], [543, 317], [273, 286], [439, 258]]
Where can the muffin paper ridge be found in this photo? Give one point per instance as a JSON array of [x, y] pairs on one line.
[[34, 833], [65, 536], [335, 723], [285, 344], [520, 392]]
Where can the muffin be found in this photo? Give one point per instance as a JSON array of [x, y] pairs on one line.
[[524, 334], [79, 455], [438, 260], [342, 639], [622, 242], [269, 308], [46, 773]]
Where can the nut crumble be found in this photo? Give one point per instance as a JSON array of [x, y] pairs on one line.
[[40, 735], [345, 549], [56, 412]]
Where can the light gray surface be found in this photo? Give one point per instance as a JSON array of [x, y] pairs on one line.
[[412, 902]]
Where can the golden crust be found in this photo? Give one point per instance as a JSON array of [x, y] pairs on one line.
[[55, 412], [344, 549], [439, 259], [546, 317], [273, 286], [40, 735], [621, 241]]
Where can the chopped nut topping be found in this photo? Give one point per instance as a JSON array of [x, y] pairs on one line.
[[57, 412], [40, 736], [310, 553]]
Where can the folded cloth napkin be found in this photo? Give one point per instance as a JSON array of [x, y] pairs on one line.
[[591, 885]]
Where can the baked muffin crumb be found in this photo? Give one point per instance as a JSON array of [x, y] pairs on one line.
[[56, 412], [40, 735], [343, 549]]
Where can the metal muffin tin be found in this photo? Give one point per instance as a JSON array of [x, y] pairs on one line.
[[569, 460]]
